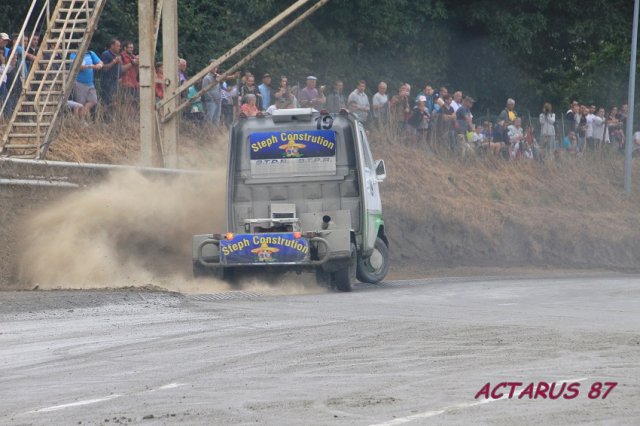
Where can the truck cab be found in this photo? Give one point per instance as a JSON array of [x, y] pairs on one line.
[[302, 194]]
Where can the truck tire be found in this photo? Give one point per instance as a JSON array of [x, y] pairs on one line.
[[374, 268], [343, 279]]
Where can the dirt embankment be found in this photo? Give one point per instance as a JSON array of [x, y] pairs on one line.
[[440, 212], [451, 212]]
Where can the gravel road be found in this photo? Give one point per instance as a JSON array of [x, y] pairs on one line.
[[405, 352]]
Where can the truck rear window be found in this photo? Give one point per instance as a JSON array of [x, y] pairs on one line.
[[293, 153]]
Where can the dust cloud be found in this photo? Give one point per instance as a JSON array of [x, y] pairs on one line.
[[132, 231]]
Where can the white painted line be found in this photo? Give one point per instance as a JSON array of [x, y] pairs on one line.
[[427, 414], [74, 404], [171, 386], [96, 400]]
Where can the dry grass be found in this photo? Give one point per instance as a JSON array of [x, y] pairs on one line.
[[115, 140], [478, 206], [578, 197]]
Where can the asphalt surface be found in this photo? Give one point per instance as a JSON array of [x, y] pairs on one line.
[[406, 352]]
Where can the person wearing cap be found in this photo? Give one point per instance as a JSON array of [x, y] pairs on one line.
[[418, 122], [310, 97], [358, 102], [265, 91]]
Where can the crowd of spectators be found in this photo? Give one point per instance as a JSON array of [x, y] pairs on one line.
[[431, 118]]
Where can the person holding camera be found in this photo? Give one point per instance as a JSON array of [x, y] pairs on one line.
[[547, 128]]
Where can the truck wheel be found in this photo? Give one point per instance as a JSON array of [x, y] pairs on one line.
[[343, 279], [374, 268]]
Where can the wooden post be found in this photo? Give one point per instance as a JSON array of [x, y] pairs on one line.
[[170, 61], [147, 81]]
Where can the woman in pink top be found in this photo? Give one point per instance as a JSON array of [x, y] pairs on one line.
[[249, 107]]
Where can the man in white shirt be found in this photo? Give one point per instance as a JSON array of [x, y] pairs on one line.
[[358, 102], [380, 101], [590, 116], [457, 101]]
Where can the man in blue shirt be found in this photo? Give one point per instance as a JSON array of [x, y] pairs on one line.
[[265, 91], [110, 75], [85, 90]]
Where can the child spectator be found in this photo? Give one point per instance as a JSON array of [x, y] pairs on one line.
[[159, 81], [418, 122]]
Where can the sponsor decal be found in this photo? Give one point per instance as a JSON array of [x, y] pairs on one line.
[[293, 153], [271, 248]]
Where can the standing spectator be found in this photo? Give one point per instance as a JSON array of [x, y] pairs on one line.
[[358, 102], [381, 104], [310, 97], [457, 100], [284, 95], [196, 112], [547, 128], [249, 107], [110, 72], [443, 92], [32, 51], [572, 117], [509, 114], [250, 88], [464, 123], [265, 91], [129, 72], [336, 100], [591, 113], [581, 127], [399, 109], [447, 118], [616, 131], [229, 93], [213, 96], [14, 68], [85, 89], [430, 100], [418, 122], [159, 81], [4, 39], [600, 129], [182, 71]]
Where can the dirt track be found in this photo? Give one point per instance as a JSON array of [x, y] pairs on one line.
[[402, 353]]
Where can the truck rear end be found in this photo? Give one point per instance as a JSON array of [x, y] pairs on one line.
[[293, 200]]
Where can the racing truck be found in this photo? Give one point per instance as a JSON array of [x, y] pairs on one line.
[[301, 194]]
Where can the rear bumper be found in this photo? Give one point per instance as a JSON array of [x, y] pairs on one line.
[[334, 248]]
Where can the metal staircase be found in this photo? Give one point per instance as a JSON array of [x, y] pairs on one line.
[[51, 78]]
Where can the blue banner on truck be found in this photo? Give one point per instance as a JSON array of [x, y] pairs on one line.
[[293, 153], [292, 144], [273, 248]]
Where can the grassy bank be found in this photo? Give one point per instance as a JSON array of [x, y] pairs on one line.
[[443, 211]]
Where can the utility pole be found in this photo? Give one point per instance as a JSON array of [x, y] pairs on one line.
[[146, 35], [170, 61], [628, 146]]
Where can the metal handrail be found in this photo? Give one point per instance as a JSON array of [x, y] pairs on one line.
[[62, 67]]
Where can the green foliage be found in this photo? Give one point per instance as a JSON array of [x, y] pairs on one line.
[[533, 51]]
